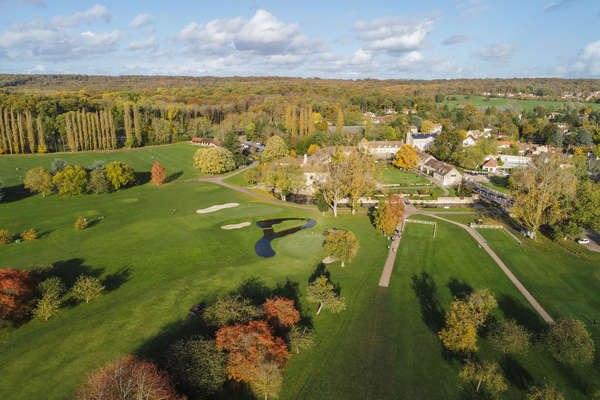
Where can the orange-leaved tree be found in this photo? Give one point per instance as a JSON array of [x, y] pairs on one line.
[[249, 346], [282, 311], [158, 174], [17, 293]]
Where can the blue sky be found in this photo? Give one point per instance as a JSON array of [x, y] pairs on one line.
[[341, 39]]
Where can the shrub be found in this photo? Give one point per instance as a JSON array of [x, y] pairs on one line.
[[252, 177], [87, 288], [5, 237], [98, 182], [39, 180], [120, 174], [29, 235], [80, 223], [57, 166], [545, 392], [158, 174], [214, 160], [72, 180]]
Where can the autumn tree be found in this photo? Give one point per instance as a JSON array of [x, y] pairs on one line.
[[283, 175], [339, 122], [359, 179], [198, 366], [39, 180], [570, 342], [128, 377], [341, 245], [407, 157], [248, 347], [86, 288], [231, 309], [98, 182], [510, 338], [158, 174], [300, 338], [42, 147], [29, 235], [281, 311], [211, 160], [484, 376], [46, 307], [323, 292], [543, 192], [427, 126], [546, 392], [17, 293], [72, 180], [5, 237], [388, 214], [274, 148], [267, 380], [333, 184], [52, 286], [120, 174]]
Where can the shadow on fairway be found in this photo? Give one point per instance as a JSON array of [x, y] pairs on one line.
[[459, 289], [116, 279], [516, 374], [69, 270], [431, 309], [514, 309], [174, 176], [16, 193], [142, 177]]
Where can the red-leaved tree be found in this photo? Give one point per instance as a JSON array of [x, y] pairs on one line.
[[282, 311], [158, 174], [127, 378], [249, 346], [17, 293]]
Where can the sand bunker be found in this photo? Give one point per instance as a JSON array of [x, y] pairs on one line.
[[216, 208], [236, 226]]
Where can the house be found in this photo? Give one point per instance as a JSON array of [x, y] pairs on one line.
[[421, 141], [413, 129], [206, 142], [442, 172], [490, 165], [381, 149], [437, 129], [469, 141]]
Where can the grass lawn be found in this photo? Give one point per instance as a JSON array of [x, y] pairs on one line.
[[239, 179], [526, 105], [390, 174]]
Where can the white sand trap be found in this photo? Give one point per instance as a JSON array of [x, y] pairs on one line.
[[216, 208], [329, 260], [236, 226]]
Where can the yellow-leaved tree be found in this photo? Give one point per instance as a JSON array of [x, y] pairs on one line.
[[406, 157]]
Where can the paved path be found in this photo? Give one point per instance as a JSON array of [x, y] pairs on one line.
[[386, 274]]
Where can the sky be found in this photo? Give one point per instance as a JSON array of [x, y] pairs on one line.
[[350, 39]]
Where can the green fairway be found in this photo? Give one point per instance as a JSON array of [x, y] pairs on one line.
[[239, 179], [501, 102], [392, 175]]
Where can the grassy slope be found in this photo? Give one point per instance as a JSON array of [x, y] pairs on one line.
[[482, 101], [391, 174]]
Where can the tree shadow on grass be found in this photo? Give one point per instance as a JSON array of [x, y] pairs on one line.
[[45, 233], [116, 279], [516, 310], [431, 310], [515, 373], [459, 289], [142, 178], [16, 193], [174, 176], [69, 270]]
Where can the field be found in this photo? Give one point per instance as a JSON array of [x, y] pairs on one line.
[[158, 259], [501, 102], [393, 175]]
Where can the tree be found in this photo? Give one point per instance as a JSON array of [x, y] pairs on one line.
[[120, 174], [584, 138], [52, 286], [127, 378], [213, 160], [447, 145], [267, 380], [388, 214], [543, 191], [86, 288], [333, 185], [312, 149], [158, 174], [510, 338], [485, 374], [546, 392], [406, 157], [359, 178], [339, 122], [80, 223], [249, 346], [57, 166], [198, 366], [39, 180], [231, 309], [17, 293], [283, 175], [427, 126], [323, 292], [342, 245], [282, 311], [72, 180], [29, 235], [300, 338], [274, 148], [46, 307], [569, 342], [5, 237], [98, 182]]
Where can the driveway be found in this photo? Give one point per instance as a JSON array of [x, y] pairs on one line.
[[594, 237]]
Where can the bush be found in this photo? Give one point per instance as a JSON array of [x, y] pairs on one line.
[[98, 182], [81, 223], [87, 288], [46, 308], [29, 235], [72, 180], [120, 174], [39, 180], [158, 174], [57, 166], [5, 237], [214, 160], [252, 177]]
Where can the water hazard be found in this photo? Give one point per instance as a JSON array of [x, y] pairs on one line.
[[263, 246]]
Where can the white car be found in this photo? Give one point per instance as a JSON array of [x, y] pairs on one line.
[[583, 241]]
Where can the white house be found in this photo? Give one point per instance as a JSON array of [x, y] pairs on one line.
[[442, 172], [381, 149], [421, 141], [469, 141], [490, 165]]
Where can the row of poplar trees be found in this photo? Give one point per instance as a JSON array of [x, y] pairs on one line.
[[90, 130], [18, 135], [299, 121]]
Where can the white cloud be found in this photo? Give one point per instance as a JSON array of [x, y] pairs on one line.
[[589, 64], [473, 8], [455, 39], [499, 53], [38, 69], [90, 16], [263, 34], [149, 44], [141, 20], [393, 35]]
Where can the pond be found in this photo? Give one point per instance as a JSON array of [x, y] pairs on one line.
[[263, 246]]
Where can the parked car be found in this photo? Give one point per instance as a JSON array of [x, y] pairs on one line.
[[583, 241]]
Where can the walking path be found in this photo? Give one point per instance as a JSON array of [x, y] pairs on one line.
[[384, 280]]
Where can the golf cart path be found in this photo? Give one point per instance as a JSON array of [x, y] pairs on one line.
[[384, 281]]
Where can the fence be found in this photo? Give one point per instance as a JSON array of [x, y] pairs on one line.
[[418, 221], [497, 227]]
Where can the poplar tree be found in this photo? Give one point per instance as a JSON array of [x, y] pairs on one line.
[[302, 122], [127, 123], [42, 148], [86, 130], [21, 132], [339, 123], [30, 133], [15, 132], [136, 125], [79, 125], [310, 122], [3, 142], [7, 130], [113, 130]]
